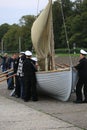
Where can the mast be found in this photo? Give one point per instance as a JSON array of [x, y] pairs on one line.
[[19, 44], [2, 46], [52, 42]]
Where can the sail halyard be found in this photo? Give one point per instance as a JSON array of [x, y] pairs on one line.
[[67, 41], [41, 35]]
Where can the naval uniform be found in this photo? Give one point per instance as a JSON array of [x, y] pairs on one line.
[[82, 81], [29, 80]]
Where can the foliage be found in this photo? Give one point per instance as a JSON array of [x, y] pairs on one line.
[[57, 23], [11, 38], [22, 31], [3, 29], [26, 24]]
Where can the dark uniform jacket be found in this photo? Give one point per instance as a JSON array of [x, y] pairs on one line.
[[82, 69], [29, 80], [29, 68]]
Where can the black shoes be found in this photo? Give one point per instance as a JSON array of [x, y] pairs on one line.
[[26, 100], [77, 101], [17, 96], [85, 101], [34, 100], [10, 88]]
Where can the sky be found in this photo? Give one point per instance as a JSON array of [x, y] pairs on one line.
[[12, 10]]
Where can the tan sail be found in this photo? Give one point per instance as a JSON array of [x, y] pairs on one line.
[[41, 34]]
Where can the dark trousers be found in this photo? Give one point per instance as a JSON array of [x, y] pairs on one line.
[[30, 90], [81, 84], [17, 88]]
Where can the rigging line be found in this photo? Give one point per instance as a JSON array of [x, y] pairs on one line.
[[67, 41], [36, 18], [37, 7]]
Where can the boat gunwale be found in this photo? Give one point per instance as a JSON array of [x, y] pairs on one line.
[[52, 71]]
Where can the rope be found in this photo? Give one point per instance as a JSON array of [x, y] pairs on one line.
[[37, 7], [35, 19], [67, 41]]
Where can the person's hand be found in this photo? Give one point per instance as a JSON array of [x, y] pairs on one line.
[[73, 67]]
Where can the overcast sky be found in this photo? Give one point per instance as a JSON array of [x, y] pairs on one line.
[[12, 10]]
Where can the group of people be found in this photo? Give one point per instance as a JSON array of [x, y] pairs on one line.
[[24, 68], [8, 64]]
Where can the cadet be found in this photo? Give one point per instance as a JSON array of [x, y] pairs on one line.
[[82, 81], [30, 91]]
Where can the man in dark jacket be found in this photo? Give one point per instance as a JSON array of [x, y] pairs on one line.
[[82, 81], [4, 62], [11, 64], [30, 91]]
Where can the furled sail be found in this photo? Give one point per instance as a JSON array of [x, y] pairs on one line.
[[41, 33]]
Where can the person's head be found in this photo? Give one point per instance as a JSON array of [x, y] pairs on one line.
[[28, 54], [5, 55], [21, 53], [82, 53], [15, 55]]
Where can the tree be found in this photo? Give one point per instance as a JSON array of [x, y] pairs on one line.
[[84, 6], [57, 23], [79, 26], [26, 24], [59, 30], [11, 38], [3, 29], [22, 31]]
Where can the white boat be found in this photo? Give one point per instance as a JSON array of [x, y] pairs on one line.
[[56, 83]]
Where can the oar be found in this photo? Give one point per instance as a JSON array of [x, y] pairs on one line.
[[66, 65], [61, 66], [7, 77], [3, 75], [13, 91], [9, 70]]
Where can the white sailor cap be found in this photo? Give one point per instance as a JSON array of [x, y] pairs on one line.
[[28, 53], [34, 58], [83, 52], [22, 52]]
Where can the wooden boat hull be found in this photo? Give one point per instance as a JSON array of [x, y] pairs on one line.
[[57, 84], [74, 79]]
